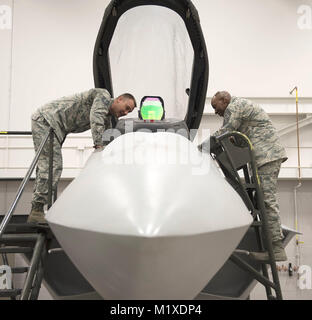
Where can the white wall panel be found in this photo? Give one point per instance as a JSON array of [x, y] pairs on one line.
[[53, 43], [6, 14], [255, 47], [252, 50]]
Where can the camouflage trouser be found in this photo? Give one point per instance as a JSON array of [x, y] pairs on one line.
[[39, 128], [268, 174]]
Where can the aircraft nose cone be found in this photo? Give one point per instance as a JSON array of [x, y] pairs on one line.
[[147, 201]]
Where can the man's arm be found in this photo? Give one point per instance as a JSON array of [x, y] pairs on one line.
[[232, 121], [98, 113]]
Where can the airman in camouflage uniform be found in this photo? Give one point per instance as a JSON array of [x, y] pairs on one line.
[[250, 119], [77, 113]]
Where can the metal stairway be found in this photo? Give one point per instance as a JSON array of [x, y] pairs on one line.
[[32, 241], [234, 153], [25, 238]]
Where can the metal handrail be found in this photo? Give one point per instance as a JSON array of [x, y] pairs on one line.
[[50, 133], [17, 133]]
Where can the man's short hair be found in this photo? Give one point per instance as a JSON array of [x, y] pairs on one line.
[[129, 96], [223, 95]]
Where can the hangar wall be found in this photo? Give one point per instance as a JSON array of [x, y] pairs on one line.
[[256, 50], [47, 53]]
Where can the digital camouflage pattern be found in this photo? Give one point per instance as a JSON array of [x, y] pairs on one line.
[[78, 113], [250, 119], [73, 114], [268, 174], [39, 129]]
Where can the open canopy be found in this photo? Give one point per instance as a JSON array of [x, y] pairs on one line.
[[154, 48]]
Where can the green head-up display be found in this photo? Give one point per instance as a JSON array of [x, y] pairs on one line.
[[152, 108]]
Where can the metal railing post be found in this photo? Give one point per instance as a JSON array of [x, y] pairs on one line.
[[37, 253], [39, 275]]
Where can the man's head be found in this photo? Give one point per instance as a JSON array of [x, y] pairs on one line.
[[220, 101], [122, 105]]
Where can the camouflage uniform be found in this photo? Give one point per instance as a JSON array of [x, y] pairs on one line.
[[250, 119], [76, 113], [268, 174]]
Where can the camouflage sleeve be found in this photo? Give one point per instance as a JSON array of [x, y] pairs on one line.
[[232, 121], [98, 113]]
